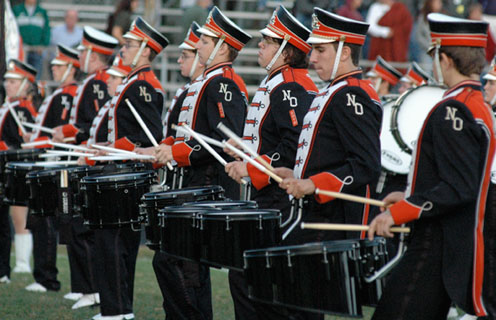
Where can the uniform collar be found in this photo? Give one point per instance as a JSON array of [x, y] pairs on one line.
[[145, 67], [278, 70], [217, 66], [353, 74], [475, 85]]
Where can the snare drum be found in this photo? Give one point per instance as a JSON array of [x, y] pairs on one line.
[[16, 188], [393, 158], [317, 277], [152, 202], [112, 200], [225, 205], [226, 234], [16, 155], [409, 113]]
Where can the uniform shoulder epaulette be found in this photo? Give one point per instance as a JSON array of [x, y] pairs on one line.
[[150, 77], [299, 76], [70, 89], [472, 99], [28, 105], [229, 73], [101, 75], [366, 85]]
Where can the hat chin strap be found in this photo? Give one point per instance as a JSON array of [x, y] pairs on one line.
[[66, 73], [216, 49], [493, 100], [338, 57], [378, 84], [193, 66], [21, 87], [437, 65], [138, 54], [278, 53], [87, 61]]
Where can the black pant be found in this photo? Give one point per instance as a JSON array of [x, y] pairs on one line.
[[81, 254], [5, 241], [185, 288], [44, 251], [415, 289], [116, 254]]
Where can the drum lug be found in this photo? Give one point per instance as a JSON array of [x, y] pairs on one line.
[[267, 260], [260, 220], [228, 227], [288, 252], [200, 217]]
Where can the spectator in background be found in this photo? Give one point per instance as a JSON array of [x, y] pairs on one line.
[[197, 12], [68, 34], [421, 34], [34, 27], [303, 10], [390, 27], [120, 20], [489, 6], [350, 10], [458, 8], [475, 12]]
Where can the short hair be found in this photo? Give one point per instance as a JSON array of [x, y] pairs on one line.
[[104, 58], [152, 55], [356, 51], [232, 52], [467, 60], [294, 57]]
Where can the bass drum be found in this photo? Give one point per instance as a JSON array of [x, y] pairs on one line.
[[393, 158], [409, 113]]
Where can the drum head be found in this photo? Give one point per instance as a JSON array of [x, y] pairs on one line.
[[190, 192], [113, 178], [183, 211], [225, 205], [241, 214], [29, 166], [409, 113], [393, 159], [305, 249]]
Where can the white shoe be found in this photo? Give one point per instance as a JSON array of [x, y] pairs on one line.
[[97, 317], [75, 296], [468, 317], [453, 313], [36, 287], [128, 316], [87, 300], [23, 247], [5, 279]]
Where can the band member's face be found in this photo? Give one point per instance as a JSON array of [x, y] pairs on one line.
[[404, 86], [490, 90], [267, 49], [112, 83], [205, 47], [58, 72], [129, 51], [322, 58], [186, 62], [11, 87]]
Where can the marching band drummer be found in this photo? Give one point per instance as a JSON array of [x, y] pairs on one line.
[[448, 184], [55, 109], [192, 69], [414, 77], [117, 249], [95, 49], [383, 77], [217, 96], [19, 81], [273, 123]]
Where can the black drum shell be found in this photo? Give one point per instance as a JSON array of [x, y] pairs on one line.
[[317, 277], [16, 155], [152, 202], [112, 200], [225, 235]]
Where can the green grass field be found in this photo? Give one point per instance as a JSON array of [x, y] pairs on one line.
[[18, 304]]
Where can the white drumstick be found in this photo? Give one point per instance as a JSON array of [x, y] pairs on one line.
[[145, 128], [134, 155], [121, 157], [41, 128], [207, 147], [55, 153], [34, 143], [71, 146], [228, 132], [16, 119], [110, 149], [207, 139], [346, 227], [51, 163]]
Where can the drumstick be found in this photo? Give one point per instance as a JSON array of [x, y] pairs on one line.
[[35, 143], [346, 227], [145, 128], [41, 128], [51, 163], [208, 147], [121, 157], [350, 197], [70, 146], [16, 119], [70, 139], [134, 155], [55, 153], [228, 132], [207, 139], [110, 149]]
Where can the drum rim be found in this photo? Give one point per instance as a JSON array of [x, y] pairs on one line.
[[150, 196], [183, 209], [34, 164], [394, 115], [46, 172], [111, 178], [331, 246], [227, 203]]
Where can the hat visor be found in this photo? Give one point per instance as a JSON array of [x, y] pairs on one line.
[[269, 33], [186, 46], [207, 32], [317, 40], [405, 79], [12, 75], [489, 76], [131, 36], [59, 62], [115, 73]]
